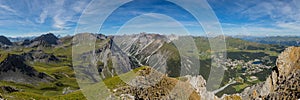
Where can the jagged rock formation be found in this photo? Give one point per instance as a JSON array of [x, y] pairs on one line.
[[39, 56], [8, 89], [120, 54], [4, 40], [199, 84], [159, 51], [116, 58], [141, 46], [104, 58], [284, 83], [14, 69], [152, 85]]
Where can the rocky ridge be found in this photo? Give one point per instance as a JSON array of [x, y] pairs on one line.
[[152, 85], [14, 69], [39, 56]]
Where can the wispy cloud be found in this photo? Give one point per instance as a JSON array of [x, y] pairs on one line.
[[277, 11], [256, 17], [30, 16], [7, 8]]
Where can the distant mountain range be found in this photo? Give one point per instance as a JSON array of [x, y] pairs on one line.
[[17, 39], [278, 40]]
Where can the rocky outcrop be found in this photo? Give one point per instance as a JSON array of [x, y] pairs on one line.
[[40, 56], [152, 85], [284, 83], [141, 46], [105, 58], [14, 69], [199, 84], [4, 40], [1, 98], [8, 89]]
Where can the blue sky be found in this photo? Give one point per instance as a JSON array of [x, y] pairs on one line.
[[238, 17]]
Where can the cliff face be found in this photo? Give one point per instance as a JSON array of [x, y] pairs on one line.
[[141, 46], [284, 83], [288, 62]]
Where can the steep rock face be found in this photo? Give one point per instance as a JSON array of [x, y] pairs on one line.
[[4, 40], [105, 58], [114, 61], [288, 62], [199, 84], [14, 69], [141, 46], [284, 83]]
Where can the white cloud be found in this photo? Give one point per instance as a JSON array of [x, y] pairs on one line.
[[7, 8], [96, 13], [43, 16], [278, 11], [279, 17]]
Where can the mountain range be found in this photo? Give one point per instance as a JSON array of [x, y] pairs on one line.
[[47, 67]]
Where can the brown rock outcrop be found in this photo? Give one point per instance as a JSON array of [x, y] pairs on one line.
[[164, 88]]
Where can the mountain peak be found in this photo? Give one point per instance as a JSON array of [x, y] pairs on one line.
[[49, 38], [13, 68], [5, 40]]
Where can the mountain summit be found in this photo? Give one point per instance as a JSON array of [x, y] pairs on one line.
[[13, 68], [49, 39], [4, 40]]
